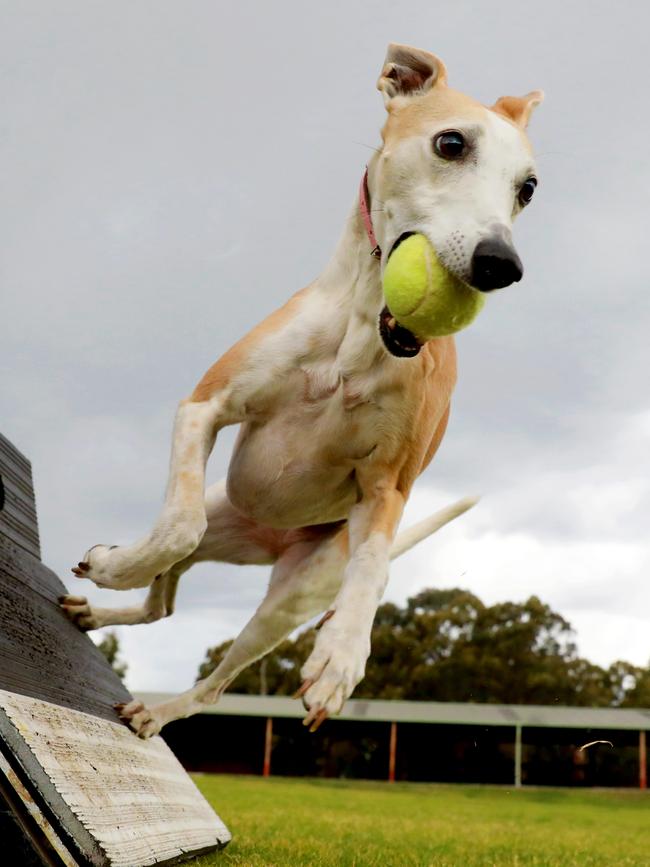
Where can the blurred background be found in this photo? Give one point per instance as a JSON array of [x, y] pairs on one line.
[[171, 173]]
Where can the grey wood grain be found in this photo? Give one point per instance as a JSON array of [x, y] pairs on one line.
[[17, 502], [114, 800], [42, 654]]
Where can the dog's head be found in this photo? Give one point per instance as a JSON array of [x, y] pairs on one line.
[[452, 169]]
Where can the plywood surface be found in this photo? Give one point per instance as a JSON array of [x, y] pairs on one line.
[[110, 799], [28, 837], [41, 653], [132, 798]]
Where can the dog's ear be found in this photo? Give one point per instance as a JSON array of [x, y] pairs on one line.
[[409, 71], [518, 109]]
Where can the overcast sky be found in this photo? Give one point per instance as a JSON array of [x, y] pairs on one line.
[[172, 172]]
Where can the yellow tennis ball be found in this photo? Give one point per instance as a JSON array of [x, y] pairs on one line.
[[423, 295]]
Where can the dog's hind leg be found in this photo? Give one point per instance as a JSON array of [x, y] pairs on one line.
[[229, 538], [305, 581]]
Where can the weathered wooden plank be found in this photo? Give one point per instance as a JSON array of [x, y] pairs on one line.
[[118, 800], [41, 653], [17, 502], [100, 796], [131, 797]]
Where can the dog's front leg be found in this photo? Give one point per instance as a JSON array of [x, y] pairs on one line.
[[182, 521], [227, 393], [338, 660], [159, 603]]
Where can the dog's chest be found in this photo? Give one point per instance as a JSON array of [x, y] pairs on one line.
[[349, 414], [295, 463]]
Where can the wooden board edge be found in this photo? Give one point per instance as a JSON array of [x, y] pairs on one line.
[[34, 823], [88, 850], [13, 745]]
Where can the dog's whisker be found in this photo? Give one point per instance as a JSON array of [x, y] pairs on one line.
[[364, 145]]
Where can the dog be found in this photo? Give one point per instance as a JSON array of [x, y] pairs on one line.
[[340, 407]]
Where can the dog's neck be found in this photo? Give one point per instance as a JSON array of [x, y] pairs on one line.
[[353, 268], [352, 283]]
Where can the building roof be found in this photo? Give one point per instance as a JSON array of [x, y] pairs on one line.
[[542, 716]]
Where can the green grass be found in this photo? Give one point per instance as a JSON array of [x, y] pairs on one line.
[[341, 823]]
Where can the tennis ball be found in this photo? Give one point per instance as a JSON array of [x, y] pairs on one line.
[[423, 295]]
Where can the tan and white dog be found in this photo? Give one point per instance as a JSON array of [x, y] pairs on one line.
[[340, 408]]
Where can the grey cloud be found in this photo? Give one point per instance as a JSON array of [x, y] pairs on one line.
[[171, 174]]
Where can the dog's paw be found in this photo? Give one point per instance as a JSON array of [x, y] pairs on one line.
[[77, 609], [96, 565], [139, 718], [335, 666]]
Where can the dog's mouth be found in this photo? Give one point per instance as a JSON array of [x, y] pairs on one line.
[[399, 341]]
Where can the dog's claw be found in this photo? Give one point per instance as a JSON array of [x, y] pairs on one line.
[[316, 716], [71, 600], [79, 612], [322, 716], [134, 707], [324, 619], [138, 718], [303, 689]]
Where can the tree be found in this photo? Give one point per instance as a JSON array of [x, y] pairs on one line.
[[282, 669], [110, 647], [447, 645], [631, 684]]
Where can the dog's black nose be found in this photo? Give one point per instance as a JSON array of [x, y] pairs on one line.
[[495, 264]]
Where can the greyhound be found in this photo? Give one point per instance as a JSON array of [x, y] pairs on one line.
[[340, 407]]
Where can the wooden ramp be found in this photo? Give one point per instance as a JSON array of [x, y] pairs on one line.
[[76, 786]]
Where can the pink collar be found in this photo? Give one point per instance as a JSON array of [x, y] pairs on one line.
[[364, 209]]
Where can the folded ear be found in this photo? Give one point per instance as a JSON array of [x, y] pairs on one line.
[[518, 109], [409, 71]]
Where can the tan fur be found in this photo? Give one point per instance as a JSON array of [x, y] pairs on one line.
[[518, 109], [409, 70], [222, 371], [334, 429], [414, 116]]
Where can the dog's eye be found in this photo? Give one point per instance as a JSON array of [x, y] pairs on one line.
[[526, 190], [450, 145]]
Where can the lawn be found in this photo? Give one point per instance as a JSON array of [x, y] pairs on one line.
[[332, 822]]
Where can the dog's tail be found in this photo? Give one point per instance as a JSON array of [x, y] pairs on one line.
[[408, 538]]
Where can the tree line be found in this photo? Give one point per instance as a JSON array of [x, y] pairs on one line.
[[447, 645]]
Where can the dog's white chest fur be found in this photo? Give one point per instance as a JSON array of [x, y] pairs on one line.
[[322, 426]]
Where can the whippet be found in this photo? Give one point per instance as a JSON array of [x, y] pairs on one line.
[[340, 407]]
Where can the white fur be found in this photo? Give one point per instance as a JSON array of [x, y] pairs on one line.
[[326, 419], [454, 205]]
